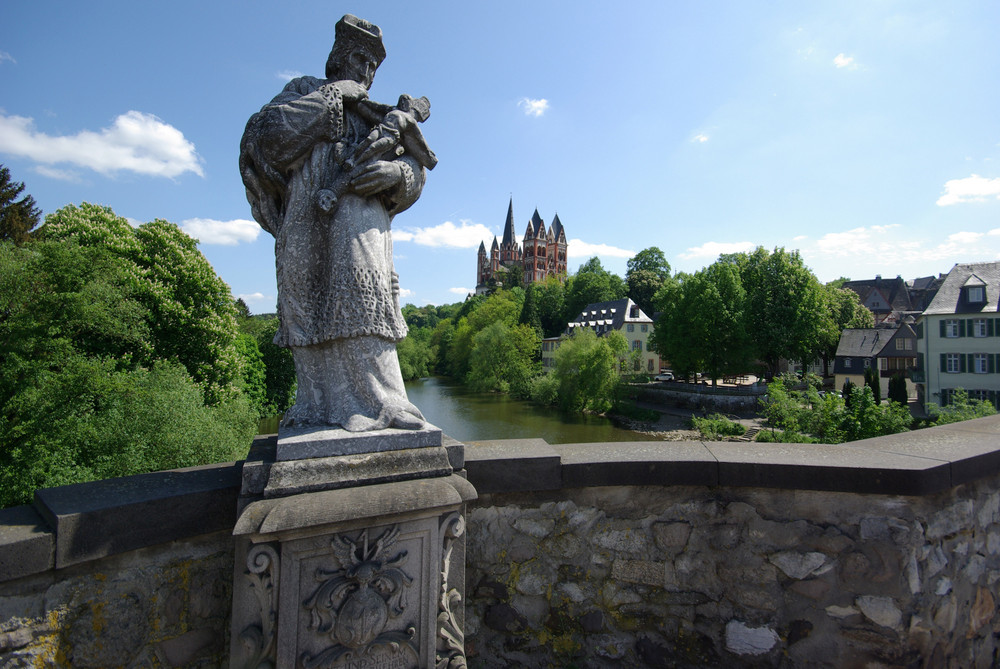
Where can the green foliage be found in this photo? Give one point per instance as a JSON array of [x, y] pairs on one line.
[[585, 373], [847, 391], [279, 367], [703, 327], [843, 310], [550, 301], [897, 389], [780, 437], [88, 419], [829, 419], [503, 306], [716, 427], [785, 306], [503, 359], [191, 313], [591, 283], [960, 407], [17, 216], [416, 355], [872, 381], [119, 354], [647, 271]]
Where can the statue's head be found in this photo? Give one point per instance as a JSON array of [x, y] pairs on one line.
[[357, 51]]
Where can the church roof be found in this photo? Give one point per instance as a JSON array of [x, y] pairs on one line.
[[482, 247], [557, 228], [537, 225], [508, 228], [495, 245]]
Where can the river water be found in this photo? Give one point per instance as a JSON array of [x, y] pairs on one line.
[[468, 416]]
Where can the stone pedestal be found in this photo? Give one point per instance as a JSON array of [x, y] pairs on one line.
[[351, 559]]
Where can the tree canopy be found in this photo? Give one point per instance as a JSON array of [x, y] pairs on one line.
[[119, 354], [18, 216]]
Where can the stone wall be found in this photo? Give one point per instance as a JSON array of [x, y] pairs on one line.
[[701, 396], [682, 576], [884, 552]]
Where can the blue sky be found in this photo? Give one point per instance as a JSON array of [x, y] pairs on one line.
[[864, 134]]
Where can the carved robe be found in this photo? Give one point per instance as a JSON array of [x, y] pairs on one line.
[[334, 268]]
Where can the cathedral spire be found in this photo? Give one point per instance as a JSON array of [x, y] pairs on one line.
[[508, 228]]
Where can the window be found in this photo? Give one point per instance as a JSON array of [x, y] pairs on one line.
[[979, 327], [847, 363], [649, 365], [951, 363], [868, 363], [979, 363], [637, 345], [635, 367], [904, 344], [977, 293], [644, 327], [631, 327], [951, 329]]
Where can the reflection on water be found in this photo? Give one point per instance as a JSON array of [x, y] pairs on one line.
[[468, 416]]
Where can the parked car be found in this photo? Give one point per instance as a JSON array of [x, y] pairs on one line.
[[664, 376]]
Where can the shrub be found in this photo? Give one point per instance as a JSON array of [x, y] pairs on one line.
[[715, 427]]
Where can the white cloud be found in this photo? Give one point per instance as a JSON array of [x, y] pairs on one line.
[[135, 142], [844, 243], [577, 248], [969, 189], [842, 61], [700, 138], [225, 233], [466, 235], [259, 303], [4, 56], [533, 107], [712, 250], [405, 292], [288, 75], [460, 291], [55, 173]]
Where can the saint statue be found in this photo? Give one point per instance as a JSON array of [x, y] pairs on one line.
[[326, 169]]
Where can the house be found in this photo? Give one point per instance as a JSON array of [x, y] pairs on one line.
[[623, 316], [893, 300], [543, 253], [892, 351], [959, 337]]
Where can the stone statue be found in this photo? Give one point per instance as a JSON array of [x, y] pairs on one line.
[[325, 170]]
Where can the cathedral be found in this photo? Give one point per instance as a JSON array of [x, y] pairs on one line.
[[543, 254]]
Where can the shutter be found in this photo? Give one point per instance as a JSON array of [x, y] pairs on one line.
[[989, 327], [991, 366], [961, 327], [961, 362], [944, 362], [941, 323]]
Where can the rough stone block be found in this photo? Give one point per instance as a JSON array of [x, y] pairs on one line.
[[322, 442], [27, 545], [637, 463], [512, 465], [93, 520]]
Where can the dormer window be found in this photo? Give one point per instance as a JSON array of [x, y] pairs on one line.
[[975, 294]]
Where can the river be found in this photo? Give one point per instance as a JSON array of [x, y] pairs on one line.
[[468, 416]]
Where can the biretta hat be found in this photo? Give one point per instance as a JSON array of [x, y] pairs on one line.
[[352, 31]]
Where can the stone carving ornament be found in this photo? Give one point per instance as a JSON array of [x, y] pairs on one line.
[[325, 170], [259, 638], [354, 604]]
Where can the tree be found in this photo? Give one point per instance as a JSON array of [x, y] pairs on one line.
[[550, 298], [647, 271], [872, 381], [83, 392], [843, 310], [785, 306], [503, 359], [585, 374], [847, 391], [503, 306], [897, 389], [17, 216], [704, 328], [591, 283], [960, 407], [191, 312]]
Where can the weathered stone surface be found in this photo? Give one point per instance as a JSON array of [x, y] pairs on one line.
[[880, 610], [744, 640], [27, 545], [323, 442], [800, 565]]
